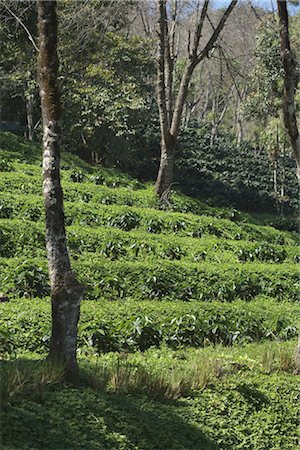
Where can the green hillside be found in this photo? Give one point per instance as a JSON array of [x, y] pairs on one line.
[[187, 328]]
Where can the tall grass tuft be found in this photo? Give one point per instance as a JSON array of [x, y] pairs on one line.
[[156, 381], [21, 377]]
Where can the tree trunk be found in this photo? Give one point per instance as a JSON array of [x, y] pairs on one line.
[[213, 135], [166, 167], [66, 291], [289, 109], [29, 113], [297, 357]]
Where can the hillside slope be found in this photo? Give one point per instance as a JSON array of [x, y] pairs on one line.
[[161, 284]]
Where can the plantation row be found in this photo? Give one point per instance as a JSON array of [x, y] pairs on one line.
[[28, 181], [127, 218], [105, 187], [24, 238], [25, 325], [171, 280]]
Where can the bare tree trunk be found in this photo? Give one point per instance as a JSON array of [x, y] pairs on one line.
[[275, 184], [166, 167], [297, 357], [239, 126], [66, 291], [165, 173], [289, 109], [29, 113]]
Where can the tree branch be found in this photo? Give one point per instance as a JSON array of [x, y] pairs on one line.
[[30, 37], [211, 43]]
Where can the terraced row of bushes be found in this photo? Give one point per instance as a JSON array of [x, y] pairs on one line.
[[21, 237], [171, 280], [25, 325], [153, 221], [102, 186]]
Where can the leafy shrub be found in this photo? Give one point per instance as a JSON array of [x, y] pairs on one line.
[[5, 166], [155, 226], [173, 252], [33, 213], [197, 233], [5, 245], [77, 176], [175, 280], [108, 200], [6, 210], [29, 280], [125, 222], [200, 256], [97, 179], [113, 250], [142, 248], [263, 252], [86, 197], [177, 225], [129, 326]]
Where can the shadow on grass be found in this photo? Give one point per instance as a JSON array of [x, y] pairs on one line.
[[65, 417]]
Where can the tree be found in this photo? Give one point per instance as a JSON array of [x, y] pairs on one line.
[[18, 90], [290, 83], [171, 108], [66, 291], [289, 109]]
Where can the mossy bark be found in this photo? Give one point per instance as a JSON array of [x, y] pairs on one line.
[[290, 77], [66, 291]]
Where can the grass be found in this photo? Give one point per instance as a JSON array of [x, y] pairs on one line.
[[134, 407]]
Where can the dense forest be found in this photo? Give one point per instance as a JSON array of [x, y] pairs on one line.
[[149, 229]]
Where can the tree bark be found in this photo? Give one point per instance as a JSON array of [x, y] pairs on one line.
[[289, 109], [166, 167], [297, 357], [66, 291], [165, 173]]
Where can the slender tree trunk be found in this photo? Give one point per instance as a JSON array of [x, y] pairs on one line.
[[170, 119], [166, 167], [165, 172], [66, 291], [29, 113], [297, 356], [289, 109], [240, 131], [275, 184]]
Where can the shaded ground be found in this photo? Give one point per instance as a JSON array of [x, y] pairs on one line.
[[245, 411]]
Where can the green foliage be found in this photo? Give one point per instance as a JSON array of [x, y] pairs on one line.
[[134, 256], [28, 280], [169, 278], [262, 253], [247, 410], [77, 176], [107, 98], [5, 210], [130, 326], [230, 176], [266, 78], [125, 222], [5, 166]]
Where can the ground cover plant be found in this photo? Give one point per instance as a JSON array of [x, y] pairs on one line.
[[187, 331]]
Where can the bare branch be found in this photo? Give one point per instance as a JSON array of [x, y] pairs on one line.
[[211, 43], [30, 37]]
